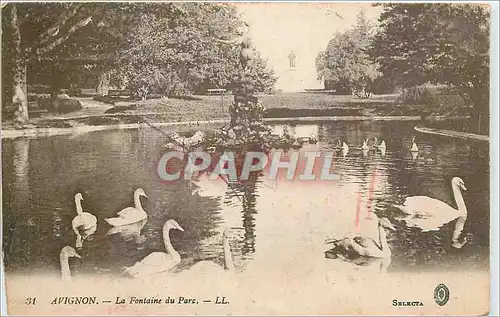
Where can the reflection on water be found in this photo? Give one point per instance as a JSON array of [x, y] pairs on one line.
[[130, 232], [284, 224]]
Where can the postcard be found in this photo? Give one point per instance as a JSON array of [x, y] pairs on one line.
[[247, 158]]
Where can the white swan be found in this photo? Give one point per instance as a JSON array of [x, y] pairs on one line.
[[414, 147], [363, 246], [338, 145], [84, 224], [426, 207], [365, 147], [66, 253], [382, 147], [187, 143], [158, 262], [130, 214], [430, 214], [209, 267], [345, 149]]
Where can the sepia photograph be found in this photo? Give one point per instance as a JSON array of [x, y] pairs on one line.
[[249, 158]]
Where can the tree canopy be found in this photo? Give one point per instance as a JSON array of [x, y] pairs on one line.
[[436, 43], [346, 61], [169, 48]]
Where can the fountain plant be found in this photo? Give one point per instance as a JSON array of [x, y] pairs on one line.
[[247, 131]]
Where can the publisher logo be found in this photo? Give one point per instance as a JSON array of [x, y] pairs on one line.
[[441, 294]]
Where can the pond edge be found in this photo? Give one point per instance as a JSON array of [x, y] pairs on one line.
[[44, 132]]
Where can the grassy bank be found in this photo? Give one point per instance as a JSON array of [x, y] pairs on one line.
[[203, 108]]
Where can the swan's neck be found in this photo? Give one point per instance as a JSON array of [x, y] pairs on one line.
[[383, 240], [78, 204], [228, 259], [459, 199], [137, 201], [168, 245], [65, 272]]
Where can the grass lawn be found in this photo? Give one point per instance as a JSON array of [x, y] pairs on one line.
[[309, 100], [201, 108]]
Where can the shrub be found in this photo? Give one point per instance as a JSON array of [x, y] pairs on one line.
[[59, 105], [431, 95]]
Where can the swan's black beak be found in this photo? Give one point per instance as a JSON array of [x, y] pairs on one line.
[[463, 187], [391, 227]]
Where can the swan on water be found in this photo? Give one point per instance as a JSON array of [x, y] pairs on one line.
[[380, 146], [414, 147], [364, 246], [430, 214], [66, 253], [345, 148], [210, 267], [338, 145], [379, 264], [365, 147], [185, 142], [130, 214], [158, 262], [84, 224]]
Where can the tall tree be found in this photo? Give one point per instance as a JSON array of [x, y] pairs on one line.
[[346, 60], [169, 47], [178, 52], [438, 43], [53, 24]]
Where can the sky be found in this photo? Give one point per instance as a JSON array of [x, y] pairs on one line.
[[306, 28]]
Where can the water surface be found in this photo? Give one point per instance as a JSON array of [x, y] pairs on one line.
[[283, 224]]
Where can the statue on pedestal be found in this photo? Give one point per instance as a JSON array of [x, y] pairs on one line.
[[291, 59]]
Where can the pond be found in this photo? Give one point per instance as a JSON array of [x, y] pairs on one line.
[[280, 222]]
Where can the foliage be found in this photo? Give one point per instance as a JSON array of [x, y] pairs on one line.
[[162, 48], [249, 133], [346, 60], [432, 96], [31, 32], [89, 48], [436, 43], [263, 77], [178, 53]]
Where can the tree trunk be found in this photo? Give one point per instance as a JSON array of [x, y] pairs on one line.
[[19, 82]]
